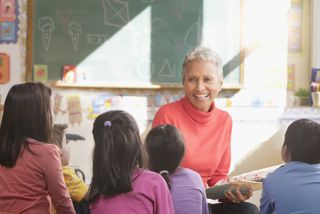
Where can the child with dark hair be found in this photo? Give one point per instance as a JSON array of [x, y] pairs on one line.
[[76, 186], [30, 168], [119, 182], [294, 187], [165, 148]]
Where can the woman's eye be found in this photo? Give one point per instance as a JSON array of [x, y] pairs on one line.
[[208, 79], [191, 79]]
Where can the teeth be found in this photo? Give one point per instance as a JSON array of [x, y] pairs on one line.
[[201, 96]]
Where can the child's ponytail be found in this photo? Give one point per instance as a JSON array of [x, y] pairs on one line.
[[165, 175]]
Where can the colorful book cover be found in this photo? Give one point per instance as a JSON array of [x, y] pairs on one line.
[[69, 74]]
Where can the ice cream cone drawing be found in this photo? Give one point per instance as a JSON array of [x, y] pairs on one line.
[[74, 31], [46, 26]]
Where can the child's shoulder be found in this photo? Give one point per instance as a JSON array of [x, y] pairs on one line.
[[186, 174], [42, 148], [145, 173], [147, 176], [285, 170]]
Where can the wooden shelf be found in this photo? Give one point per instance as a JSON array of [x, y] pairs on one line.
[[101, 85]]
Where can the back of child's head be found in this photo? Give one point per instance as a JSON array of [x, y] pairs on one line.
[[26, 114], [165, 148], [117, 153], [59, 139], [302, 139], [58, 134]]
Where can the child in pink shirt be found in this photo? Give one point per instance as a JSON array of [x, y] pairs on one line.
[[30, 168], [119, 182]]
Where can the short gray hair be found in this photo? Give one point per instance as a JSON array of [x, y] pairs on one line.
[[203, 54]]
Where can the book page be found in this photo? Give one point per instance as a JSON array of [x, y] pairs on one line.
[[254, 179]]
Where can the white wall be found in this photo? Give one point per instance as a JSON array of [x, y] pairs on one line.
[[315, 34]]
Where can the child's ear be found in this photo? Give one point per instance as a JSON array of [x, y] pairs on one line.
[[285, 154]]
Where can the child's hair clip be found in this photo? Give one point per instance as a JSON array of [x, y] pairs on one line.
[[107, 123], [164, 172]]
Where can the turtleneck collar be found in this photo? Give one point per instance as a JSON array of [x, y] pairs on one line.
[[197, 115]]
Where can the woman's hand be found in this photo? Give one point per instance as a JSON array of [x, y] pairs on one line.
[[238, 192]]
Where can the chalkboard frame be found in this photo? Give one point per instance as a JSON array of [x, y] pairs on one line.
[[61, 84]]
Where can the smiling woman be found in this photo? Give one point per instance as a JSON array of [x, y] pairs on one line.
[[205, 128], [201, 86], [202, 78]]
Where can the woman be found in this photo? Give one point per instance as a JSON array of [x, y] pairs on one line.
[[205, 128], [30, 168]]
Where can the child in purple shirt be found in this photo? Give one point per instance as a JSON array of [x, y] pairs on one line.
[[165, 147], [119, 183]]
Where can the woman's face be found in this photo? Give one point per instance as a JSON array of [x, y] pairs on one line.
[[201, 84]]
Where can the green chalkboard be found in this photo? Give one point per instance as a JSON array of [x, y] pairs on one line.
[[124, 42]]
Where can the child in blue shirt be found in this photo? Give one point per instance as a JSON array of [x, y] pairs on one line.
[[295, 186]]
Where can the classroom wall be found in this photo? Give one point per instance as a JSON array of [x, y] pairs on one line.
[[17, 53], [315, 34], [258, 109]]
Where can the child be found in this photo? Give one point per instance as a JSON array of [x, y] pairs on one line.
[[30, 168], [165, 148], [294, 187], [77, 187], [119, 183]]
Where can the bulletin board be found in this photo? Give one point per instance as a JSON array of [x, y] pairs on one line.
[[125, 43], [9, 24]]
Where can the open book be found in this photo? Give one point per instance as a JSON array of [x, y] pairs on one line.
[[253, 179], [217, 192]]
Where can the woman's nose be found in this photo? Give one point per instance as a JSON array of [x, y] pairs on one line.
[[200, 85]]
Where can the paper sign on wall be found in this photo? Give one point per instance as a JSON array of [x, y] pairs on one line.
[[40, 73], [8, 21], [4, 68], [291, 77], [7, 10]]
